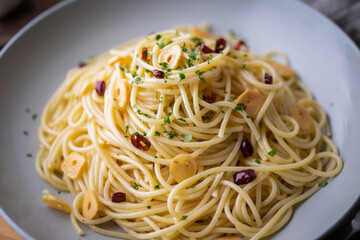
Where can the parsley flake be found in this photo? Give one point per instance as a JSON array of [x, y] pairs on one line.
[[272, 152], [135, 186], [257, 161], [181, 119], [188, 138], [240, 106], [199, 73], [157, 187], [182, 76], [197, 41], [184, 217], [324, 184]]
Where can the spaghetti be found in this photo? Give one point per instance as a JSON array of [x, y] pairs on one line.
[[183, 135]]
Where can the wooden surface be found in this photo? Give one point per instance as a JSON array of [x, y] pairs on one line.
[[345, 13], [6, 232]]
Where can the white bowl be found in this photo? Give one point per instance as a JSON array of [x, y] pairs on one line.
[[36, 60]]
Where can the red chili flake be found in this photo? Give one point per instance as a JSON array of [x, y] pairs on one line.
[[246, 147], [240, 43], [158, 73], [100, 87], [220, 45], [205, 49], [82, 64], [210, 99], [244, 176], [140, 142], [268, 79], [144, 53], [118, 197]]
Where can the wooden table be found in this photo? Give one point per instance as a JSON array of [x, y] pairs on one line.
[[345, 13]]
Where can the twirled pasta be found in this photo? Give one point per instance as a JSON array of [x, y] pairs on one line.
[[182, 96]]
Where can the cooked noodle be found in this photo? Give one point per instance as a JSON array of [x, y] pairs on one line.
[[176, 118]]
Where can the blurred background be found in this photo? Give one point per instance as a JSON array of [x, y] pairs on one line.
[[14, 14]]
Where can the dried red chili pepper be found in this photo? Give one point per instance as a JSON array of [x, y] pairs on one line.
[[268, 79], [246, 147], [244, 176], [220, 45], [240, 43], [210, 99], [158, 73], [118, 197], [140, 142], [82, 64], [205, 49], [144, 54], [100, 87]]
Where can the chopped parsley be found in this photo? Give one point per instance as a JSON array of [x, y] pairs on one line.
[[29, 155], [163, 65], [240, 106], [161, 44], [193, 55], [34, 116], [184, 217], [135, 134], [147, 70], [134, 74], [170, 134], [272, 152], [157, 37], [184, 48], [324, 184], [157, 187], [157, 133], [257, 161], [199, 73], [167, 120], [169, 42], [135, 186], [140, 113], [121, 69], [244, 66], [210, 217], [26, 133], [155, 112], [189, 63], [222, 111], [193, 186], [188, 138], [138, 80], [181, 119], [197, 41], [182, 76], [127, 128], [148, 207]]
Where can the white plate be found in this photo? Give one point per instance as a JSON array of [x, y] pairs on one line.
[[36, 60]]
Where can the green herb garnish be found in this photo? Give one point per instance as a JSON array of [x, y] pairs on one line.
[[240, 106], [188, 138], [182, 76], [272, 152]]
